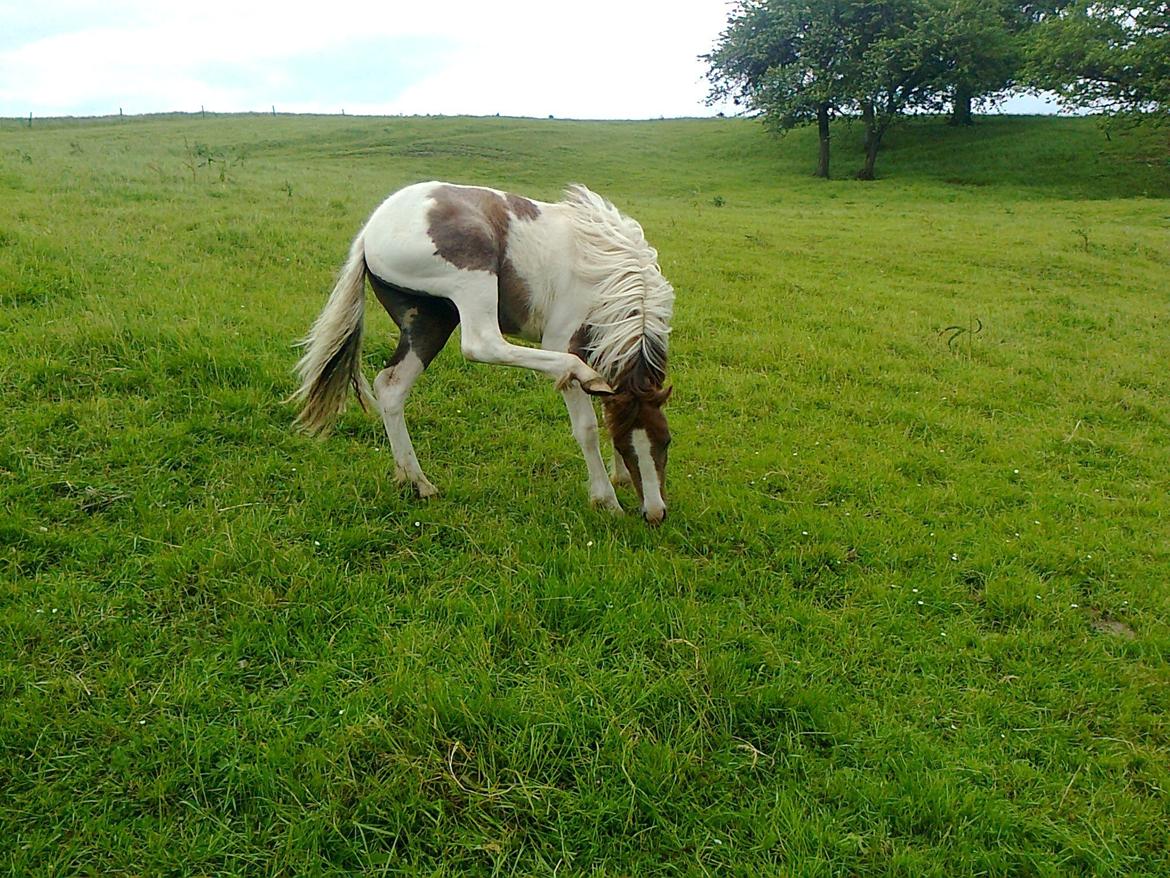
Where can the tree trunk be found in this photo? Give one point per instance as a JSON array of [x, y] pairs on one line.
[[873, 138], [961, 111], [823, 131]]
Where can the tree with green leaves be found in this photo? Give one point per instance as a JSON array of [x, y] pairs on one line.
[[787, 62], [793, 62], [983, 47], [1106, 56]]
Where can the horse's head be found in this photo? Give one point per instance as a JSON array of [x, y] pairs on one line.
[[640, 436]]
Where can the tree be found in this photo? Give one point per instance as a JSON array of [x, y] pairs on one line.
[[785, 61], [983, 47], [797, 61], [980, 53], [1106, 56], [901, 65]]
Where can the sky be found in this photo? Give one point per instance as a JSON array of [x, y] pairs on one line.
[[613, 59]]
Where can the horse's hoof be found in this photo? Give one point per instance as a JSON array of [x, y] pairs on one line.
[[597, 387], [425, 490], [608, 504]]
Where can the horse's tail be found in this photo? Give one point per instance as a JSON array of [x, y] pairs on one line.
[[332, 362]]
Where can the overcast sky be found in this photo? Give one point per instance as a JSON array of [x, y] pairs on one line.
[[594, 59]]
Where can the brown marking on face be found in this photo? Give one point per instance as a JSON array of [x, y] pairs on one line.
[[469, 227], [627, 411]]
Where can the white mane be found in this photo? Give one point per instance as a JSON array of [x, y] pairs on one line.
[[631, 319]]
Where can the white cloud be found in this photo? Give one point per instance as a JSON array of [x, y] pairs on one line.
[[608, 59]]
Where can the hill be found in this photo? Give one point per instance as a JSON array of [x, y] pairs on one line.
[[908, 614]]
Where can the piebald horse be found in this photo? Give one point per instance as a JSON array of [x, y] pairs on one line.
[[576, 276]]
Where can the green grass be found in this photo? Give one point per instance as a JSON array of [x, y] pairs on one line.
[[908, 616]]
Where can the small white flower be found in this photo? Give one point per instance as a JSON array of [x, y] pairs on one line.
[[914, 590], [804, 533], [418, 524], [954, 557], [1016, 471], [920, 603], [590, 543], [142, 722], [1075, 606], [316, 543]]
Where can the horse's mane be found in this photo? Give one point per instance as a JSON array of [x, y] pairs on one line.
[[630, 323]]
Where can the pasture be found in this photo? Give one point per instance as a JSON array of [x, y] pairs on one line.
[[908, 615]]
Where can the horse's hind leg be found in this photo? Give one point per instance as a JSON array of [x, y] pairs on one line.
[[424, 327]]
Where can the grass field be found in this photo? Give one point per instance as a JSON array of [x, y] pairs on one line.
[[908, 616]]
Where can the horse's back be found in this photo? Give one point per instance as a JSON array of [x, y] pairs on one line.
[[441, 239]]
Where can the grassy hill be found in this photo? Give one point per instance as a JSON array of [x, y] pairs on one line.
[[908, 615]]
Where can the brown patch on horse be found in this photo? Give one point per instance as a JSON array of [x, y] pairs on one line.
[[521, 207], [579, 344], [515, 299], [469, 228], [424, 322]]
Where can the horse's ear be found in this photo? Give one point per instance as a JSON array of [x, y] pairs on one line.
[[663, 396]]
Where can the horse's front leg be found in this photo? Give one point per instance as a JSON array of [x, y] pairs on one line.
[[584, 421], [620, 474], [482, 342]]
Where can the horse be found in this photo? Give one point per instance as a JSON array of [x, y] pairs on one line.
[[576, 277]]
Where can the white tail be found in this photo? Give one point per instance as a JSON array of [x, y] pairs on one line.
[[332, 362]]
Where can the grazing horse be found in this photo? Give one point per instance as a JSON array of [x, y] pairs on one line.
[[578, 277]]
